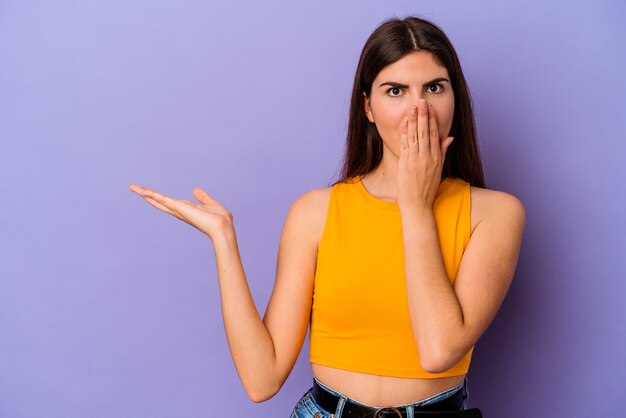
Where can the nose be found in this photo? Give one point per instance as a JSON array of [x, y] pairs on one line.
[[415, 98]]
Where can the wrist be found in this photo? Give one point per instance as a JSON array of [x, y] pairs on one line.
[[224, 236], [415, 210]]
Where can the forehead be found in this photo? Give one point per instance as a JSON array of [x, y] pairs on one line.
[[418, 65]]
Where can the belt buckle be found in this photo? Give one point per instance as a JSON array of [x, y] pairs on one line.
[[387, 407]]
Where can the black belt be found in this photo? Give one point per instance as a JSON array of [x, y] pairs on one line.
[[448, 407]]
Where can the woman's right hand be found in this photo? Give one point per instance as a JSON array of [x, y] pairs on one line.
[[210, 216]]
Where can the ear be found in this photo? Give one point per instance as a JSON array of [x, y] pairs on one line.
[[368, 109]]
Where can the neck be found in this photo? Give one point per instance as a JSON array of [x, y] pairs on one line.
[[382, 181]]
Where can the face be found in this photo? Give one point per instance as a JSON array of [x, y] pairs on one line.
[[402, 84]]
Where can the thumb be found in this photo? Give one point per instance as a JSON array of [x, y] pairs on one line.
[[446, 144], [202, 196]]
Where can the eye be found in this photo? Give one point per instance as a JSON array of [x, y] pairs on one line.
[[435, 85], [395, 90]]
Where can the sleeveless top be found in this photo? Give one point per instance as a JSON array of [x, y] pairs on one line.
[[360, 316]]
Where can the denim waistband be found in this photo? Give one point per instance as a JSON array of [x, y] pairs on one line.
[[431, 399]]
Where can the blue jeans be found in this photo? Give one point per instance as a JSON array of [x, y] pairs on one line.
[[307, 407]]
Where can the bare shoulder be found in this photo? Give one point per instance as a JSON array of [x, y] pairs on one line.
[[312, 207], [289, 309], [495, 205]]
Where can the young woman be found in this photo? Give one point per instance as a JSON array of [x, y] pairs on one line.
[[400, 266]]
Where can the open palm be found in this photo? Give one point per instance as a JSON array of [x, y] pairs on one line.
[[210, 216]]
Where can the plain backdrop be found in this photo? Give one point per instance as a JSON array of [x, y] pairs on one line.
[[111, 308]]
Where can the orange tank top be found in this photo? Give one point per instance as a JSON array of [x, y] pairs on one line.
[[360, 316]]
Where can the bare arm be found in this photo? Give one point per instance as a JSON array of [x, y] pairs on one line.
[[264, 352], [448, 321], [250, 343]]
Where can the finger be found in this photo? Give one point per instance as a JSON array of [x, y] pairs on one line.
[[161, 198], [141, 191], [157, 200], [435, 147], [160, 206], [422, 127], [177, 208], [136, 188], [445, 145], [404, 142], [412, 130], [203, 197]]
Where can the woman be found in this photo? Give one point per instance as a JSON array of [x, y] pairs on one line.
[[400, 266]]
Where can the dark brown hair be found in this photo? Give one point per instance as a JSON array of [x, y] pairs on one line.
[[389, 42]]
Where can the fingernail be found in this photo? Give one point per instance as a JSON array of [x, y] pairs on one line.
[[430, 107], [412, 111], [422, 104]]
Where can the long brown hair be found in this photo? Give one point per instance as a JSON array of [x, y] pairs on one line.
[[389, 42]]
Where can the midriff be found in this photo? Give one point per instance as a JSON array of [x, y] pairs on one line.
[[376, 390]]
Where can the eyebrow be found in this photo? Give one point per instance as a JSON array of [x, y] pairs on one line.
[[394, 84]]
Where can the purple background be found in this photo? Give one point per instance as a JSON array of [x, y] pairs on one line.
[[110, 308]]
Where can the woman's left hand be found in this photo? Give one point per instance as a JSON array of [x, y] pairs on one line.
[[421, 158]]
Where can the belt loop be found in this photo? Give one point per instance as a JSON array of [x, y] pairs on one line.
[[409, 411], [465, 391], [340, 404]]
